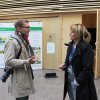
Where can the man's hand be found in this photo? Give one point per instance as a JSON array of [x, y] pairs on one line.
[[32, 60]]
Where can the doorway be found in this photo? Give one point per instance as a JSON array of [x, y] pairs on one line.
[[90, 21]]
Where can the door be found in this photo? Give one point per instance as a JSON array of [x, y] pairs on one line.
[[97, 66], [51, 42]]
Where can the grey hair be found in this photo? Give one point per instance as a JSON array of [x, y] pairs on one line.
[[20, 23]]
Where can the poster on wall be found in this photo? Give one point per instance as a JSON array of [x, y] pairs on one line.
[[6, 31], [35, 37], [50, 47]]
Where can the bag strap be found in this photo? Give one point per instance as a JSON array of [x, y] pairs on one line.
[[19, 53]]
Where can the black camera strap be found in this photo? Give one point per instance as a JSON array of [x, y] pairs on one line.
[[18, 55]]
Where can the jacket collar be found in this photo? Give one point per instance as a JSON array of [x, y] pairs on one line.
[[79, 47]]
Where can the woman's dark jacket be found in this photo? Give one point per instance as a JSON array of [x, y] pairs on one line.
[[82, 64]]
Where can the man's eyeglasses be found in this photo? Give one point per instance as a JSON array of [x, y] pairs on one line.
[[26, 27]]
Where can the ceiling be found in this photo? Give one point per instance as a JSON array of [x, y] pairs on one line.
[[19, 7]]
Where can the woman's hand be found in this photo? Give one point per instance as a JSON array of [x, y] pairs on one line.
[[32, 60], [62, 66]]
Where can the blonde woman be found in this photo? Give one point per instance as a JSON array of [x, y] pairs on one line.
[[78, 66]]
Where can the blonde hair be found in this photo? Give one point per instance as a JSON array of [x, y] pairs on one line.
[[81, 31]]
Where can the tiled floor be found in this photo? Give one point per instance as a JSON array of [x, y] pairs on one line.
[[46, 89]]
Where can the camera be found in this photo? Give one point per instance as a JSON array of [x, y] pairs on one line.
[[7, 73]]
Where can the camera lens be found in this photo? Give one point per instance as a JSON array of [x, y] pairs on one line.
[[7, 73], [4, 77]]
